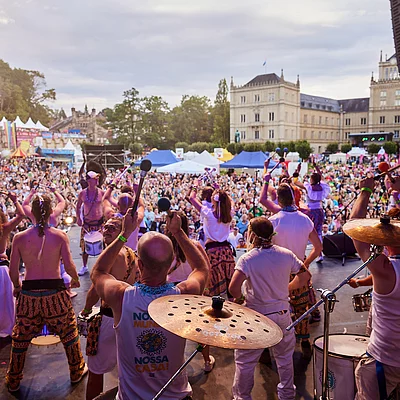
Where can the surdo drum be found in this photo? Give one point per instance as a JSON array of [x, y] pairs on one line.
[[45, 338], [93, 243], [345, 351]]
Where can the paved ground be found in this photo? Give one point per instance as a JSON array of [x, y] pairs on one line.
[[46, 374]]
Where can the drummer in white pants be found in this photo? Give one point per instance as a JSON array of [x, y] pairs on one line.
[[265, 274]]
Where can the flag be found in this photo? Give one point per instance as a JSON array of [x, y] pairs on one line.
[[264, 64], [13, 139]]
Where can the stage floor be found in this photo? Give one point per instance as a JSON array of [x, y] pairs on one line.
[[46, 375]]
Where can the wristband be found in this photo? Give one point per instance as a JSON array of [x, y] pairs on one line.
[[122, 238], [75, 279], [266, 183], [86, 311], [367, 189]]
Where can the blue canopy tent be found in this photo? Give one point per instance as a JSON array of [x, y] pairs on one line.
[[159, 158], [248, 159]]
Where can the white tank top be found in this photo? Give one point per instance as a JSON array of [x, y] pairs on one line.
[[148, 355], [384, 344]]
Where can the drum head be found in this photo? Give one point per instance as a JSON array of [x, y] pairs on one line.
[[48, 340], [344, 345], [94, 236]]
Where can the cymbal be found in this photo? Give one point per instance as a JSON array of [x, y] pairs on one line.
[[232, 327], [381, 232]]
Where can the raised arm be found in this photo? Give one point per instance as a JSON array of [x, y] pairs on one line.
[[194, 200], [61, 203], [264, 200]]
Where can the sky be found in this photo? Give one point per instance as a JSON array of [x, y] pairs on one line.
[[91, 51]]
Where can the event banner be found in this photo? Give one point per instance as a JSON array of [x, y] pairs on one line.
[[27, 135]]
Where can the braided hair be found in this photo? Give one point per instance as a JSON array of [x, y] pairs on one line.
[[41, 210], [263, 231]]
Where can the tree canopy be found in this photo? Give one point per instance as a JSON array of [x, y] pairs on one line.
[[23, 93]]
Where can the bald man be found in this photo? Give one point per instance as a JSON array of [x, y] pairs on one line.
[[147, 354]]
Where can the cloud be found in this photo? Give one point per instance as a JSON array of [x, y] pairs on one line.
[[92, 51]]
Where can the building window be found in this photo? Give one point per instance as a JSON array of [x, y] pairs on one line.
[[396, 134], [302, 104], [312, 134], [257, 135], [319, 135], [271, 116], [383, 94], [397, 119], [271, 96], [243, 135], [243, 118], [313, 120], [346, 135], [363, 121], [320, 120], [257, 117], [256, 98], [398, 93], [326, 120], [381, 119], [243, 99], [397, 102], [347, 122], [271, 134], [383, 103], [305, 118]]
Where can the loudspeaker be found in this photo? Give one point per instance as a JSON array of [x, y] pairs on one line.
[[338, 244]]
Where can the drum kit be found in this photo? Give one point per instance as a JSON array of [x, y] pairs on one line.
[[231, 326]]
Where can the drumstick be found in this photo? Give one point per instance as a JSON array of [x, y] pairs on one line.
[[377, 177], [145, 167], [120, 175]]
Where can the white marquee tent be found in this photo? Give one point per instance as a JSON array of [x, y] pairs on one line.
[[183, 167], [41, 127], [337, 157], [18, 123], [207, 159], [30, 124], [190, 155], [357, 152]]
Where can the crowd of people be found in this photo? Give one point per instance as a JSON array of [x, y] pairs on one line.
[[189, 249]]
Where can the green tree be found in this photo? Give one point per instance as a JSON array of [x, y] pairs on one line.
[[373, 148], [136, 148], [332, 147], [304, 149], [345, 147], [199, 147], [23, 93], [253, 147], [390, 147], [231, 147], [190, 120], [269, 146], [183, 145], [221, 115], [125, 118], [154, 123]]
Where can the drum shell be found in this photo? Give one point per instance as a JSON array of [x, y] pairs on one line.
[[341, 369], [93, 243]]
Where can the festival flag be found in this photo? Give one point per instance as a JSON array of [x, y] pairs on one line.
[[9, 134], [13, 140]]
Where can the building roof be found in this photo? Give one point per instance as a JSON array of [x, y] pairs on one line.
[[263, 79], [319, 103], [355, 105], [61, 124]]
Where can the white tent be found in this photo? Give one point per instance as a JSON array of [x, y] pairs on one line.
[[190, 155], [357, 152], [207, 159], [183, 167], [18, 123], [293, 156], [3, 121], [69, 146], [30, 124], [41, 127], [337, 157]]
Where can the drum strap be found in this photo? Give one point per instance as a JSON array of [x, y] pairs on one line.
[[380, 374]]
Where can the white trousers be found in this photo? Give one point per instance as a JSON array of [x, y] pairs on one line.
[[367, 381], [246, 361], [7, 303]]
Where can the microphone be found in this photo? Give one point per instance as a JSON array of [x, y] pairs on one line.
[[126, 169], [145, 167], [164, 204]]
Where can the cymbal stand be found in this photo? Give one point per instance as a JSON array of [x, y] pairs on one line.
[[329, 299], [199, 349]]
